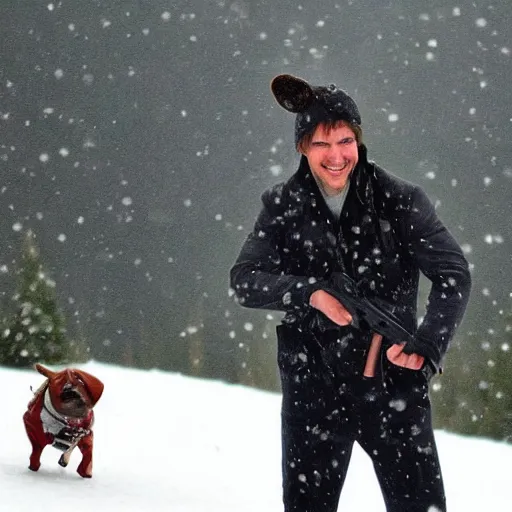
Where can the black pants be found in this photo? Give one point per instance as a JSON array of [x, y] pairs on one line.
[[323, 415]]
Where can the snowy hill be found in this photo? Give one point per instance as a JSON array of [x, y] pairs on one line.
[[168, 442]]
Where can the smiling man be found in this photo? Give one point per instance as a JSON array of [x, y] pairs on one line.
[[332, 155], [341, 212]]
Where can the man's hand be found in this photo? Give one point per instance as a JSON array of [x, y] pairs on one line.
[[397, 356], [330, 307]]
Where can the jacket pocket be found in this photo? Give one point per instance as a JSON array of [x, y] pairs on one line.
[[399, 380]]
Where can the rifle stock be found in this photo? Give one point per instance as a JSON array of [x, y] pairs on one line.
[[373, 356]]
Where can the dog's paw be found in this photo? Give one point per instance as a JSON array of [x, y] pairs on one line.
[[85, 471], [34, 467]]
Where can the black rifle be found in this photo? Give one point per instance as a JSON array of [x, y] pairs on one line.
[[375, 315]]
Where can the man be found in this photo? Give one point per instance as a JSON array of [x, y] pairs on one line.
[[341, 212]]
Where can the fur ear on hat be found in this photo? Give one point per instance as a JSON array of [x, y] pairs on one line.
[[292, 93], [44, 371]]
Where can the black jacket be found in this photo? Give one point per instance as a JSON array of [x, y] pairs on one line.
[[388, 233]]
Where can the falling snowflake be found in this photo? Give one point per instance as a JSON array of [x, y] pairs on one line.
[[398, 405]]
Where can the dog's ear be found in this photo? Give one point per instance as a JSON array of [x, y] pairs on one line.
[[44, 371], [93, 385]]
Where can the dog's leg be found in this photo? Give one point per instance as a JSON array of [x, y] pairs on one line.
[[64, 458], [85, 446], [37, 445], [35, 457]]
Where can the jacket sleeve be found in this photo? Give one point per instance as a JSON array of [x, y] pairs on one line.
[[257, 276], [441, 260]]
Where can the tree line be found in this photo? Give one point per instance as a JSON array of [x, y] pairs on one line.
[[33, 329]]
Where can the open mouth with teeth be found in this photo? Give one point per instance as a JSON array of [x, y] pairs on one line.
[[336, 169]]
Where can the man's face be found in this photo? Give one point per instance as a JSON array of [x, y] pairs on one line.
[[332, 157]]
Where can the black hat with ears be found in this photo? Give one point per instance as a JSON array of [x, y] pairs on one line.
[[313, 104]]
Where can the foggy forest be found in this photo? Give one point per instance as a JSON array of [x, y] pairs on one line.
[[138, 136]]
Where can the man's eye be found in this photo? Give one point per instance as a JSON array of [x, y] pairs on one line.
[[348, 140]]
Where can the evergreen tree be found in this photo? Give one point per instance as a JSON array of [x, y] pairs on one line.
[[35, 332]]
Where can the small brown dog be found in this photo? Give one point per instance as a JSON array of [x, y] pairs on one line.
[[61, 414]]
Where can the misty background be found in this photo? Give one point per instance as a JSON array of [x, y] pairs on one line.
[[136, 138]]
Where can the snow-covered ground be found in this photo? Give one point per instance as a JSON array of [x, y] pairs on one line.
[[167, 442]]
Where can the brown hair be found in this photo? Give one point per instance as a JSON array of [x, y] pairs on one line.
[[304, 143]]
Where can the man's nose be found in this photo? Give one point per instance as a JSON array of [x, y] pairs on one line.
[[335, 152]]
